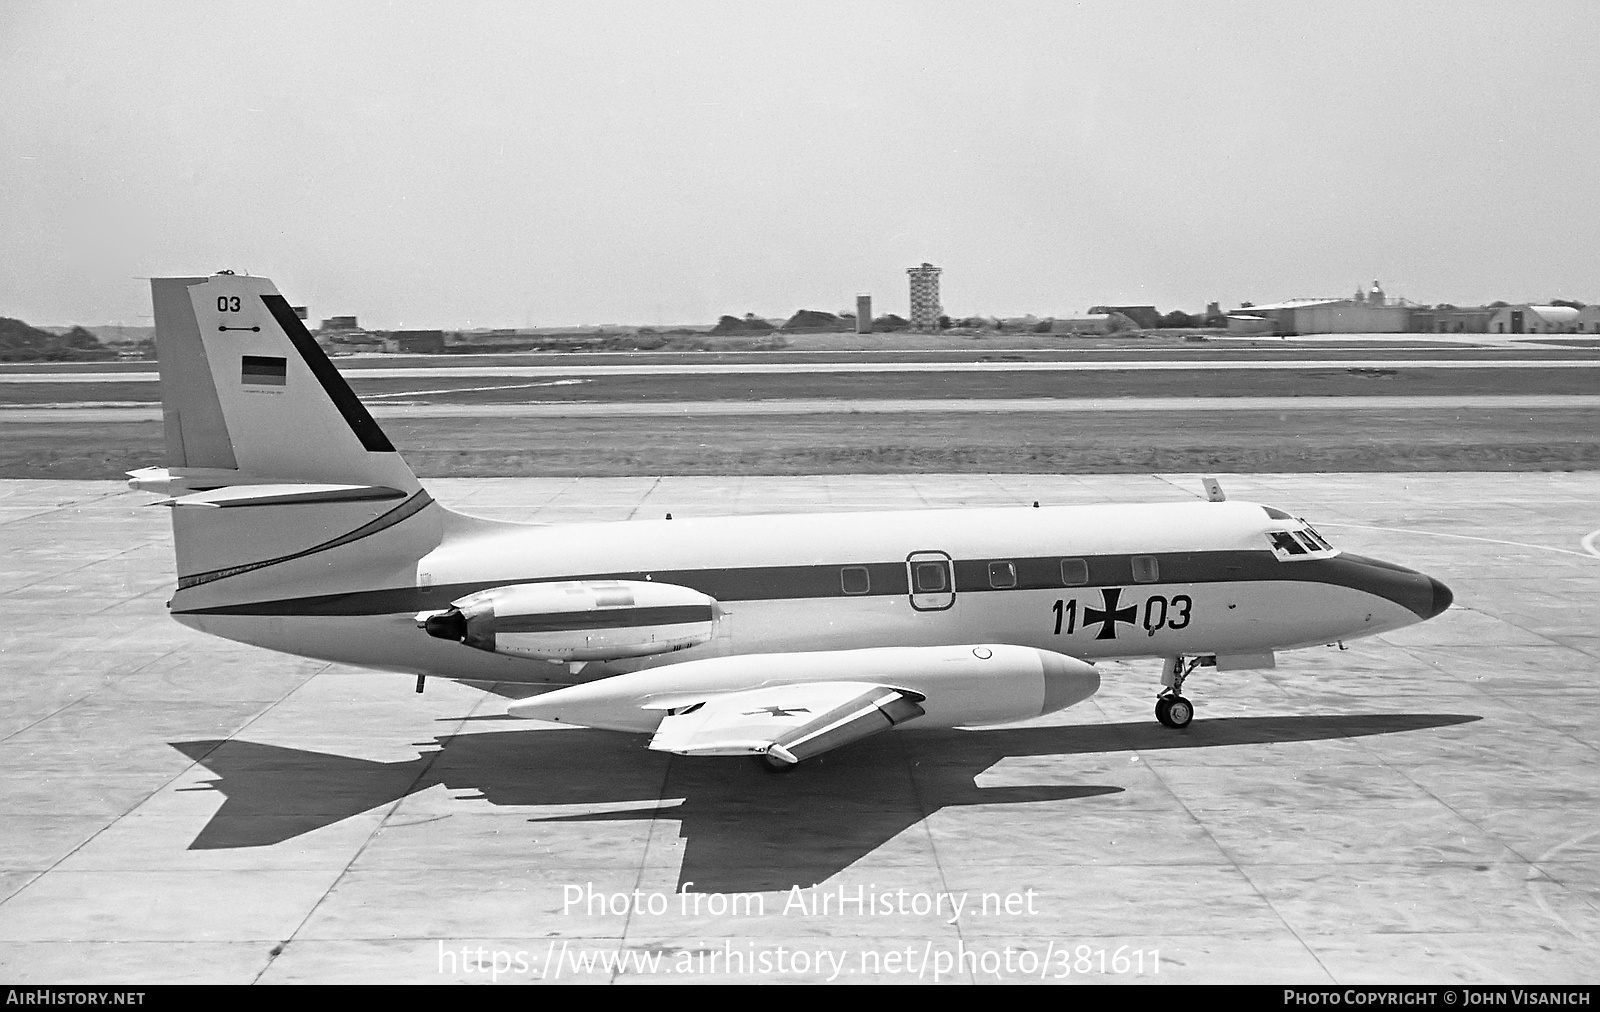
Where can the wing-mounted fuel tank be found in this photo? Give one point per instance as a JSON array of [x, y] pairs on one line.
[[592, 620]]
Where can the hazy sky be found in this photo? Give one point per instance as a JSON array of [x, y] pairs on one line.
[[427, 164]]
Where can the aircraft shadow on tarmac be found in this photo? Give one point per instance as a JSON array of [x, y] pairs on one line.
[[744, 829]]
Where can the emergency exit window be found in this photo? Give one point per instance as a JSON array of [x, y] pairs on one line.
[[931, 578]]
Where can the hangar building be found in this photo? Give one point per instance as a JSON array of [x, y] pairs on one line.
[[1526, 319], [1320, 316], [1452, 320]]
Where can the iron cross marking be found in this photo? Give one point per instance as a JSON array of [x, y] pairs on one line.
[[1110, 615], [784, 711]]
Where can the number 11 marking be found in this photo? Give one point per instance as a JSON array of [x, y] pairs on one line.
[[1069, 610]]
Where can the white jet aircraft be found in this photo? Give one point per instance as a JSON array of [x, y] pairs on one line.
[[299, 528]]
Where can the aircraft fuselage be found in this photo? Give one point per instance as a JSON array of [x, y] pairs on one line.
[[1087, 581]]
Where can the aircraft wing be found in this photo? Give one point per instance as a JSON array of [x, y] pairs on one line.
[[785, 722]]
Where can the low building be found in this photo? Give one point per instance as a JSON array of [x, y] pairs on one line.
[[1091, 323], [351, 341], [1348, 318], [1145, 317], [1588, 321], [1527, 319], [1451, 320], [415, 342], [1244, 322], [1272, 317], [1324, 316]]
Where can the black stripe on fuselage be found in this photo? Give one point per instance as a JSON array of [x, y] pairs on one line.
[[355, 415], [770, 583], [604, 618]]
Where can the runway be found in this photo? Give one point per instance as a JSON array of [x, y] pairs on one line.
[[817, 368], [120, 413], [1424, 806]]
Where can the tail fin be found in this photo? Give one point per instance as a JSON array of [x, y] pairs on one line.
[[245, 389], [283, 481]]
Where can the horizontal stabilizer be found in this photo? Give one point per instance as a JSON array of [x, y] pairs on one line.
[[283, 495], [788, 722]]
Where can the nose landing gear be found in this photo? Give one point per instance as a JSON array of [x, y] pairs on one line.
[[1172, 709]]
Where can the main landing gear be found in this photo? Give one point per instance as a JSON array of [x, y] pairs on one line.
[[1172, 709]]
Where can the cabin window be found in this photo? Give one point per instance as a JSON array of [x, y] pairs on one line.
[[1002, 575], [1074, 572], [1145, 569], [855, 579], [930, 577]]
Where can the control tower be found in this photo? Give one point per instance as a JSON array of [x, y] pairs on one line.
[[925, 309]]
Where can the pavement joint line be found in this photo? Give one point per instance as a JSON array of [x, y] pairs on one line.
[[165, 588], [1538, 876], [92, 562], [1365, 743], [1515, 625], [1496, 698], [925, 825], [1233, 862], [1492, 699], [657, 818], [391, 806], [89, 692], [1531, 870], [168, 782], [1180, 487], [634, 513], [1550, 877]]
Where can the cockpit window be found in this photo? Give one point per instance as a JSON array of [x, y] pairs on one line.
[[1283, 541], [1300, 543]]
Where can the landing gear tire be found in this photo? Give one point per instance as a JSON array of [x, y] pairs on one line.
[[1174, 711]]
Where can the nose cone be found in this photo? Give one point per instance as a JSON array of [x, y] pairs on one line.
[[1067, 680], [1421, 595], [1442, 598]]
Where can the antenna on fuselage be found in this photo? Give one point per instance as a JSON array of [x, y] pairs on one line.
[[1214, 491]]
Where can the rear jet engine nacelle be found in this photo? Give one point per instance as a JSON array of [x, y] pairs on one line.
[[592, 620]]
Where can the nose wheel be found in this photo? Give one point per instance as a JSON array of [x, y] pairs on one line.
[[1174, 711]]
